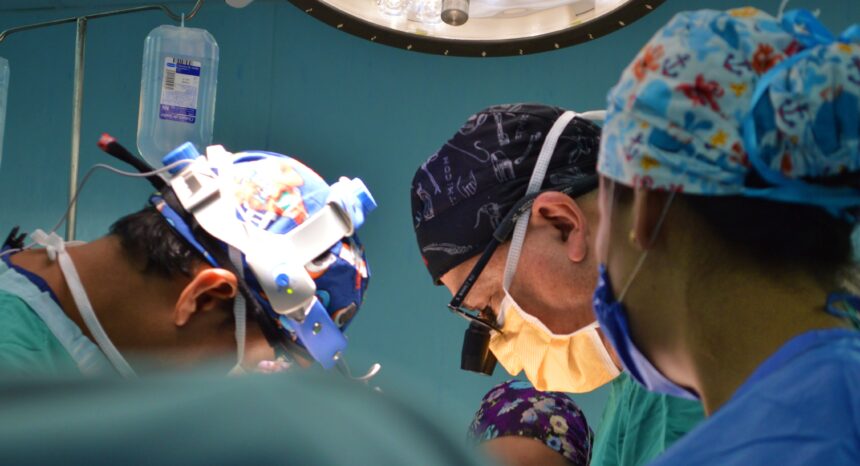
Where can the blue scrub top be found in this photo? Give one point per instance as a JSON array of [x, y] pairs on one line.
[[800, 407]]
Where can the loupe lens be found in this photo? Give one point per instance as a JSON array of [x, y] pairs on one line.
[[476, 355]]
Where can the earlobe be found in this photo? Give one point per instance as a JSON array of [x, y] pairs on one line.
[[577, 243], [204, 292]]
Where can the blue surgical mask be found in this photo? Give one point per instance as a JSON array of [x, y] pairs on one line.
[[612, 317]]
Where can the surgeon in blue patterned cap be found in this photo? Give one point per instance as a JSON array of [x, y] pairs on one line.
[[730, 185]]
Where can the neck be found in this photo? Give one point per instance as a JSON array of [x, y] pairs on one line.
[[738, 320], [116, 287]]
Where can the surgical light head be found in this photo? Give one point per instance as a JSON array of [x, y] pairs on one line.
[[289, 236]]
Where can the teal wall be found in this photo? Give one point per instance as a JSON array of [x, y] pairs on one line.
[[344, 105]]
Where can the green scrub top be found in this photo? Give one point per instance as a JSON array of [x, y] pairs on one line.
[[305, 418], [27, 346], [637, 425]]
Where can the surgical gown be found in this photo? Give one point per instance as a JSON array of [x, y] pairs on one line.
[[637, 425], [800, 407], [296, 418], [27, 344]]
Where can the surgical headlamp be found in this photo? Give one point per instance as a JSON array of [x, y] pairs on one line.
[[202, 194]]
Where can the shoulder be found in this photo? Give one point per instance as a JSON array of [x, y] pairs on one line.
[[638, 425], [813, 393], [27, 345], [839, 373], [832, 368], [19, 324], [635, 397]]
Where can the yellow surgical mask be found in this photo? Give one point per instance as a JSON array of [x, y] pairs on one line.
[[576, 363]]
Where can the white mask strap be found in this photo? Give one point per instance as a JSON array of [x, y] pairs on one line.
[[240, 315], [535, 183], [593, 115], [651, 241], [56, 250]]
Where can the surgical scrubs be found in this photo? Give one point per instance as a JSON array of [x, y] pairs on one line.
[[303, 418], [27, 346], [637, 425], [800, 407], [36, 336]]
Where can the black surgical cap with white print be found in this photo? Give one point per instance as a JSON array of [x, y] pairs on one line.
[[462, 192]]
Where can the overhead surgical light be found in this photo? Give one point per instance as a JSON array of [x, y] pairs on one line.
[[455, 12], [239, 3], [478, 28], [425, 11]]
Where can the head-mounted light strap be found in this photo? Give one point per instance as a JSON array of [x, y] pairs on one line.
[[184, 224], [319, 334], [277, 260], [179, 224]]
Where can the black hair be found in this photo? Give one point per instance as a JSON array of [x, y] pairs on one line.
[[784, 234], [778, 233], [146, 236]]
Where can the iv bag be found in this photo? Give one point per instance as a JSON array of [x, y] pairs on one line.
[[4, 88], [177, 91]]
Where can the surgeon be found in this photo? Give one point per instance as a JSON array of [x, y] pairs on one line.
[[227, 238], [505, 214], [729, 192]]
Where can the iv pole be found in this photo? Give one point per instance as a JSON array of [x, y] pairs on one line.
[[78, 86]]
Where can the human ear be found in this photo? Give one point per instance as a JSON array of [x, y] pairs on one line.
[[565, 215], [208, 288]]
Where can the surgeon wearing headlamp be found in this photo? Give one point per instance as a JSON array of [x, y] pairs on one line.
[[227, 239], [728, 197], [505, 215]]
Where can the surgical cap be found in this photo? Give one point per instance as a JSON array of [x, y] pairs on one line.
[[516, 408], [277, 193], [464, 190], [739, 103]]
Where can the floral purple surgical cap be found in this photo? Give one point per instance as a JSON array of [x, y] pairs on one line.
[[516, 408]]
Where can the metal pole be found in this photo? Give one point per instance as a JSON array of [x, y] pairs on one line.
[[77, 110], [167, 11], [78, 87]]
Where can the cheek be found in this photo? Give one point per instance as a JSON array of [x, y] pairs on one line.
[[602, 238], [540, 274], [256, 347], [601, 241]]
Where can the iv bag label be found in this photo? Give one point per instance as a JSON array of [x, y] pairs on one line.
[[179, 90]]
